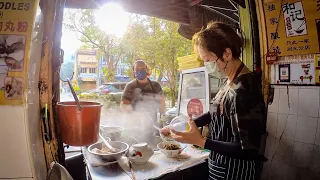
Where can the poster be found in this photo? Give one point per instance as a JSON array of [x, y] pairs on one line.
[[317, 68], [294, 19], [284, 72], [16, 25], [292, 26], [296, 70]]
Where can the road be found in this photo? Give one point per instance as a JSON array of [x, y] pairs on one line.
[[66, 96]]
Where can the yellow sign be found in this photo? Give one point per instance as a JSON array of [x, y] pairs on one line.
[[16, 24], [293, 27], [317, 67]]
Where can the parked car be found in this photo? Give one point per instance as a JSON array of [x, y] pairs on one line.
[[118, 85], [172, 111], [103, 89]]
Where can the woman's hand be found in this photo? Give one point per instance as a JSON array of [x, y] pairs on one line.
[[191, 137], [165, 131]]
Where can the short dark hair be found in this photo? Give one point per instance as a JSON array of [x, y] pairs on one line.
[[139, 61], [216, 37]]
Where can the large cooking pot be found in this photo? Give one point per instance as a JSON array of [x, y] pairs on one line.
[[79, 128]]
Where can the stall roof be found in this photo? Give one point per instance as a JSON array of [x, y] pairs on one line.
[[191, 14]]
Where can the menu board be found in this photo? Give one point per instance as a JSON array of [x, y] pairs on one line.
[[293, 26], [296, 70], [16, 24]]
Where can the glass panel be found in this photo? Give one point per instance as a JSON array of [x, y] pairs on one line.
[[193, 86], [215, 85]]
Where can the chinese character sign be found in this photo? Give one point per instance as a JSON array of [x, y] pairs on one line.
[[16, 24], [295, 21], [293, 26]]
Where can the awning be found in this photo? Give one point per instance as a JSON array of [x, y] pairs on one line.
[[191, 14]]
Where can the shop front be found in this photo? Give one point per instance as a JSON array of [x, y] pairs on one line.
[[289, 36], [282, 45]]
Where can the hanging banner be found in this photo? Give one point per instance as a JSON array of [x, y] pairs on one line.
[[16, 24], [293, 27]]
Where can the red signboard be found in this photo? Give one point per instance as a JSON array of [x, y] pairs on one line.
[[272, 57], [194, 107]]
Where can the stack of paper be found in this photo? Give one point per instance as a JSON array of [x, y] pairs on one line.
[[189, 62]]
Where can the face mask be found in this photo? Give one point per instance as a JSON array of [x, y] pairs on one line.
[[141, 74], [213, 69]]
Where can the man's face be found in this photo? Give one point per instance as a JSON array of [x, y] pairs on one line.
[[140, 67]]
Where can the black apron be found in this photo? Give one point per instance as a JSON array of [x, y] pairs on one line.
[[223, 167], [147, 102]]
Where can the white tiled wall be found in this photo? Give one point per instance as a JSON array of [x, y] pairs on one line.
[[293, 144], [14, 152]]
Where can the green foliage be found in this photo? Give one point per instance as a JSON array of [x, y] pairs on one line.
[[107, 100], [77, 89], [154, 40], [158, 42], [111, 48]]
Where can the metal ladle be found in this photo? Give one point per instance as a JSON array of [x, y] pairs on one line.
[[112, 149], [73, 92], [74, 95]]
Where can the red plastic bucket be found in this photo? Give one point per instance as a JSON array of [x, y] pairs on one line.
[[79, 128]]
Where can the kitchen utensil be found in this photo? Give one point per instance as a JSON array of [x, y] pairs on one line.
[[140, 153], [110, 157], [74, 95], [112, 149], [79, 128], [131, 170], [179, 123], [171, 153]]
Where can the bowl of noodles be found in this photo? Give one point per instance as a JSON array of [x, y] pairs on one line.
[[171, 149], [101, 151]]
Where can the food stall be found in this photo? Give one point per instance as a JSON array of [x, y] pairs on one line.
[[31, 117], [196, 88]]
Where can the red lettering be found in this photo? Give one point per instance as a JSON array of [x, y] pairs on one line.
[[22, 26], [9, 26]]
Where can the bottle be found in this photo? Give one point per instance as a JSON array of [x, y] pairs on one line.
[[180, 124], [158, 115]]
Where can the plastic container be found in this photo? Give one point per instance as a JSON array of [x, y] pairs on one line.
[[79, 128], [180, 124]]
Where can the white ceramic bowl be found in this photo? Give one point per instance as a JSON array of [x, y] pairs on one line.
[[123, 147], [140, 153], [171, 153], [113, 132]]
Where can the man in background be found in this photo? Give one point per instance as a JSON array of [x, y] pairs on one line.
[[143, 94]]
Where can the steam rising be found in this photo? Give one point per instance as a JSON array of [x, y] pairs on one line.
[[138, 124]]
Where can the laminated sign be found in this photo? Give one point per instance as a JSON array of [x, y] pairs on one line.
[[16, 25], [293, 26]]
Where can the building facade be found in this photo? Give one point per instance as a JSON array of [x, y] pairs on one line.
[[86, 69]]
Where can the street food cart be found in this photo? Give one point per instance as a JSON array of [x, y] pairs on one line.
[[194, 84]]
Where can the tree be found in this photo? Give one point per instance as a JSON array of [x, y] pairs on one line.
[[152, 39], [107, 46], [158, 42]]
